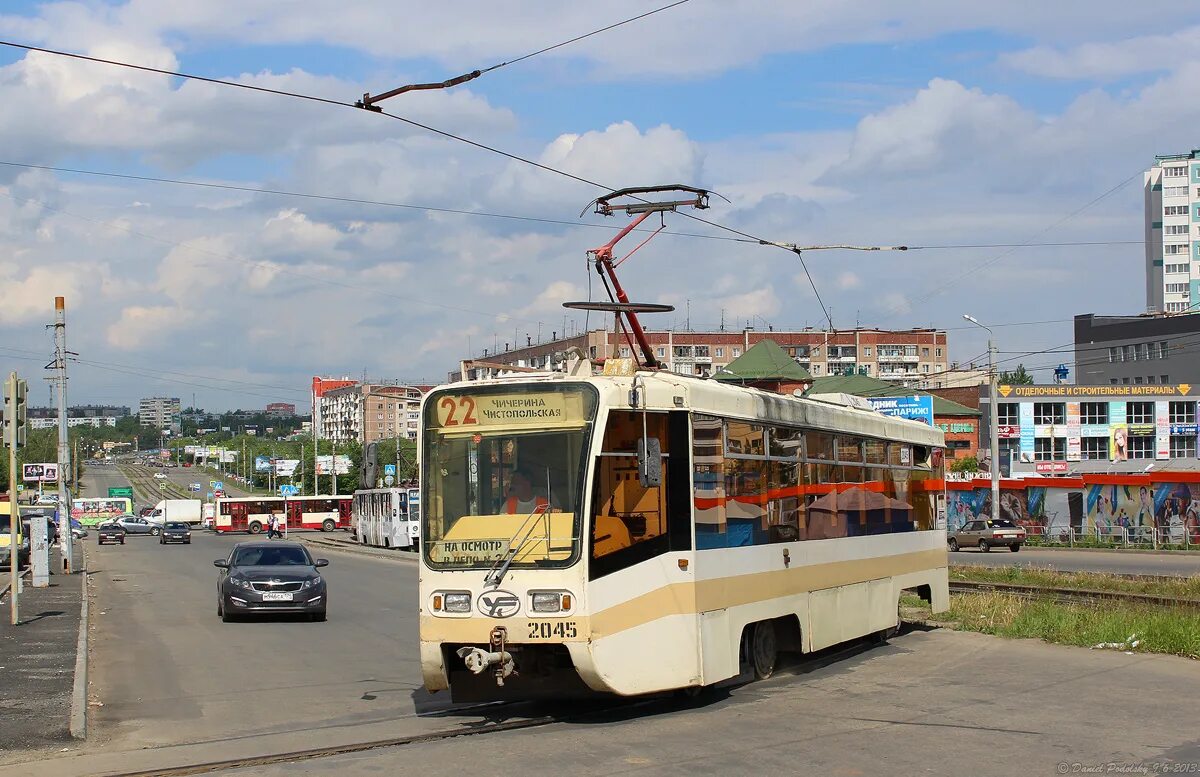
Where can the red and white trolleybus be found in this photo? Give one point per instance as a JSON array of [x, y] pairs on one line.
[[250, 514]]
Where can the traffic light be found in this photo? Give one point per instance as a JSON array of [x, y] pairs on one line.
[[15, 401]]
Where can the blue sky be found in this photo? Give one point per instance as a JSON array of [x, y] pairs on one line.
[[950, 123]]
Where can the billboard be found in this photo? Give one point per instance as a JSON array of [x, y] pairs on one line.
[[45, 473], [262, 463], [287, 467], [914, 408], [342, 466]]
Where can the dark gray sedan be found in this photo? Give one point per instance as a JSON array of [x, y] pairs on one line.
[[110, 531], [274, 576], [175, 531]]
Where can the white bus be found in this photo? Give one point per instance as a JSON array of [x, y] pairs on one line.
[[633, 534], [386, 517]]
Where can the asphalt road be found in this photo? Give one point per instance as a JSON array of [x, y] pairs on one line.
[[936, 703], [1117, 562], [168, 670]]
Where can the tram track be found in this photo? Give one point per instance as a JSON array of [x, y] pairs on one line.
[[465, 730], [1071, 595]]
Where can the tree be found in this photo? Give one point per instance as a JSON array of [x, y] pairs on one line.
[[1018, 377], [966, 464]]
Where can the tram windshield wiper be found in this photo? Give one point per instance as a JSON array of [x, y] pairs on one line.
[[499, 569]]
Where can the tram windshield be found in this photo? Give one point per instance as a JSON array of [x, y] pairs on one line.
[[504, 473]]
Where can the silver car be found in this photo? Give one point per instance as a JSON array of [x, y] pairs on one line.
[[986, 533]]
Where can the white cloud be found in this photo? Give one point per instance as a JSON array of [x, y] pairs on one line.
[[758, 302], [140, 326], [1108, 59]]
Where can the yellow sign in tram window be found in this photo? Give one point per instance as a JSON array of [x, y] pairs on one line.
[[464, 412]]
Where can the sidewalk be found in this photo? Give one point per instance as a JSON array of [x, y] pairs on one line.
[[342, 541], [38, 661]]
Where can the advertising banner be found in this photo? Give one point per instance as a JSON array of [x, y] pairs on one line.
[[1162, 436], [914, 408], [1009, 432], [287, 467], [1026, 418], [1118, 443], [228, 457], [1073, 432], [262, 463]]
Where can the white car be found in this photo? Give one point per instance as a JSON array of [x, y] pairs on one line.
[[47, 499], [159, 476]]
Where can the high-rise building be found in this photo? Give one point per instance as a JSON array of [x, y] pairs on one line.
[[281, 410], [319, 387], [369, 412], [1172, 197], [159, 412]]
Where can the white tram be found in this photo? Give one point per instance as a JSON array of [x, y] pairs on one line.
[[387, 517], [640, 533]]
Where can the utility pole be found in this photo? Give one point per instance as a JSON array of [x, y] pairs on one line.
[[15, 394], [64, 448], [993, 418]]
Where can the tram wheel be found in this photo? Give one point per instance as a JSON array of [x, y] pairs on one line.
[[764, 649]]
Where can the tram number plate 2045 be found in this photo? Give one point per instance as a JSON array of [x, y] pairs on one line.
[[552, 630]]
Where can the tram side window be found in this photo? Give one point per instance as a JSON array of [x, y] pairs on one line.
[[708, 480], [627, 513]]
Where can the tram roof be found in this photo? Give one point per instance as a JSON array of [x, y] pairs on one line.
[[704, 395]]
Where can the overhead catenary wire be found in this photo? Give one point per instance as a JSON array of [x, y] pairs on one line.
[[397, 117], [265, 190], [369, 101]]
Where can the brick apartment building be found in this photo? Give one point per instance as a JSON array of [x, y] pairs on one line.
[[900, 356]]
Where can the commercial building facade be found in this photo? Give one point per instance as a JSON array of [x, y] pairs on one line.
[[1070, 429], [902, 356], [1171, 190], [159, 412], [370, 412], [319, 387], [1150, 349]]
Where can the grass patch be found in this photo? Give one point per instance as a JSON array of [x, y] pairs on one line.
[[1177, 587], [1159, 629]]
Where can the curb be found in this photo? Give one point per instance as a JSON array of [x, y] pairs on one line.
[[344, 547], [8, 585], [79, 690], [1143, 551]]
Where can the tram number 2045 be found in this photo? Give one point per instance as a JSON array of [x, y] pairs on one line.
[[549, 630]]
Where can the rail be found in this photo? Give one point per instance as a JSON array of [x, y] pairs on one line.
[[1071, 595]]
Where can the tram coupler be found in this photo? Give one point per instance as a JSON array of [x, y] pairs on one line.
[[499, 659]]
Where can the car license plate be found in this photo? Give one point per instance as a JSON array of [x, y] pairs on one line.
[[277, 596]]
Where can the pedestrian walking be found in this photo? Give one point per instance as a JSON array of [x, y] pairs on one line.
[[273, 526]]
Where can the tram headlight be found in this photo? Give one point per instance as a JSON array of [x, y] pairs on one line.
[[456, 602], [551, 601]]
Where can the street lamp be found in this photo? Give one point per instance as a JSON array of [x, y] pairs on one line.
[[994, 421]]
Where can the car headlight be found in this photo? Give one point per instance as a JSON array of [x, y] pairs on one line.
[[310, 583], [551, 601], [453, 602], [240, 582]]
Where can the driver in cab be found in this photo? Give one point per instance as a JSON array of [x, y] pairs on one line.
[[523, 499]]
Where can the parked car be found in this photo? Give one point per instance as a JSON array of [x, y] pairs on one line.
[[135, 524], [110, 531], [265, 577], [985, 533], [78, 530], [176, 531]]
